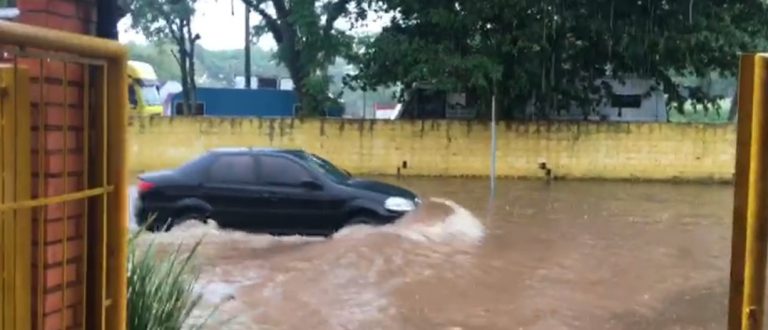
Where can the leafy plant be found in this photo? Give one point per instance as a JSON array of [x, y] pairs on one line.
[[161, 293], [551, 52], [308, 41], [161, 21]]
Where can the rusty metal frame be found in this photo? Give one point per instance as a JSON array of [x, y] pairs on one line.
[[106, 296], [750, 211]]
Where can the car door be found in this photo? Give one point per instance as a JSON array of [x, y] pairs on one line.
[[231, 189], [296, 207]]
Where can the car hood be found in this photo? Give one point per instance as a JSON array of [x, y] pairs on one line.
[[381, 188]]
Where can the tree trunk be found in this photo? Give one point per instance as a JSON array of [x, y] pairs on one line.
[[192, 40], [302, 66], [247, 47], [309, 103], [186, 88], [192, 83]]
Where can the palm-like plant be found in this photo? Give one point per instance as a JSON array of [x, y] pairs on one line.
[[161, 288]]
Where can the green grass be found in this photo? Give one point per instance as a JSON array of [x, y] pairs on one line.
[[700, 116], [161, 287]]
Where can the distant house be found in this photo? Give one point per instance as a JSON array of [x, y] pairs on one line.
[[387, 111], [426, 102], [627, 100], [264, 82]]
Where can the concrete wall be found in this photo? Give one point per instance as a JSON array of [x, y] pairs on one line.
[[652, 151]]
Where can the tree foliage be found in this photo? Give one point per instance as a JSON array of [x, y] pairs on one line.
[[308, 41], [159, 56], [161, 21], [551, 53]]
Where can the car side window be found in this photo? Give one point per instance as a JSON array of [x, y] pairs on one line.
[[132, 100], [233, 169], [281, 171]]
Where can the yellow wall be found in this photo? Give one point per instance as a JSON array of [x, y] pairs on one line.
[[653, 151]]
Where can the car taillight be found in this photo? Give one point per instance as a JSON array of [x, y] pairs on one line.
[[145, 186]]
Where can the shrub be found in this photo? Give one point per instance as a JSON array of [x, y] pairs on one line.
[[161, 288]]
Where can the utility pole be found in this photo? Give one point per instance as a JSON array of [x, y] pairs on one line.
[[493, 144], [247, 47]]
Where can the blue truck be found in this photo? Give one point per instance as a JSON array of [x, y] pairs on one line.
[[235, 102]]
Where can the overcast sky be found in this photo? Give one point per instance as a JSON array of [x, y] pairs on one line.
[[219, 29]]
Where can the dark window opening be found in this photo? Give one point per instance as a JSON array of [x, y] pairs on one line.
[[267, 83], [199, 110], [626, 101], [132, 97]]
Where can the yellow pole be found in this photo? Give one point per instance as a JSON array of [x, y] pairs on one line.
[[15, 224], [117, 224], [748, 254], [59, 41]]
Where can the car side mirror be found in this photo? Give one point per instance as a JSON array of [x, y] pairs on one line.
[[311, 185]]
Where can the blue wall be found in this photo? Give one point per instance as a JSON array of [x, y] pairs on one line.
[[243, 102]]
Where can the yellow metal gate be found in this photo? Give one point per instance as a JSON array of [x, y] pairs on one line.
[[15, 224], [63, 202]]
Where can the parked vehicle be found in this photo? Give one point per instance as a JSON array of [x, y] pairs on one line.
[[234, 102], [144, 89], [268, 190]]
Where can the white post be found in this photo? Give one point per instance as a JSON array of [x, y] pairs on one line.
[[493, 145]]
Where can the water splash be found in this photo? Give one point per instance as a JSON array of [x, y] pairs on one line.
[[459, 226], [217, 292]]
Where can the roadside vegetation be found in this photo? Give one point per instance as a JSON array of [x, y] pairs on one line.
[[718, 113], [161, 286], [550, 53]]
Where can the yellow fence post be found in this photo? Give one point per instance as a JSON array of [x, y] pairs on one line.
[[117, 227], [15, 225], [748, 250]]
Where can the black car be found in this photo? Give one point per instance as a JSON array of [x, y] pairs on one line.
[[268, 190]]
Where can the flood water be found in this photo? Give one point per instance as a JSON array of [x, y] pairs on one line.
[[565, 255]]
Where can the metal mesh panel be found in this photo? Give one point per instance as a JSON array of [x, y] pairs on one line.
[[55, 189]]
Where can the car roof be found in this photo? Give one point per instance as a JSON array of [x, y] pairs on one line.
[[255, 150]]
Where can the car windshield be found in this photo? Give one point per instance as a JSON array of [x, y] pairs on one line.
[[151, 95], [328, 168]]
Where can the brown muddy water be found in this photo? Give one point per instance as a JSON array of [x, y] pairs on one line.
[[566, 255]]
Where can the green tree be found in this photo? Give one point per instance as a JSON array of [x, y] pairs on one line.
[[162, 21], [308, 41], [552, 52], [159, 56]]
